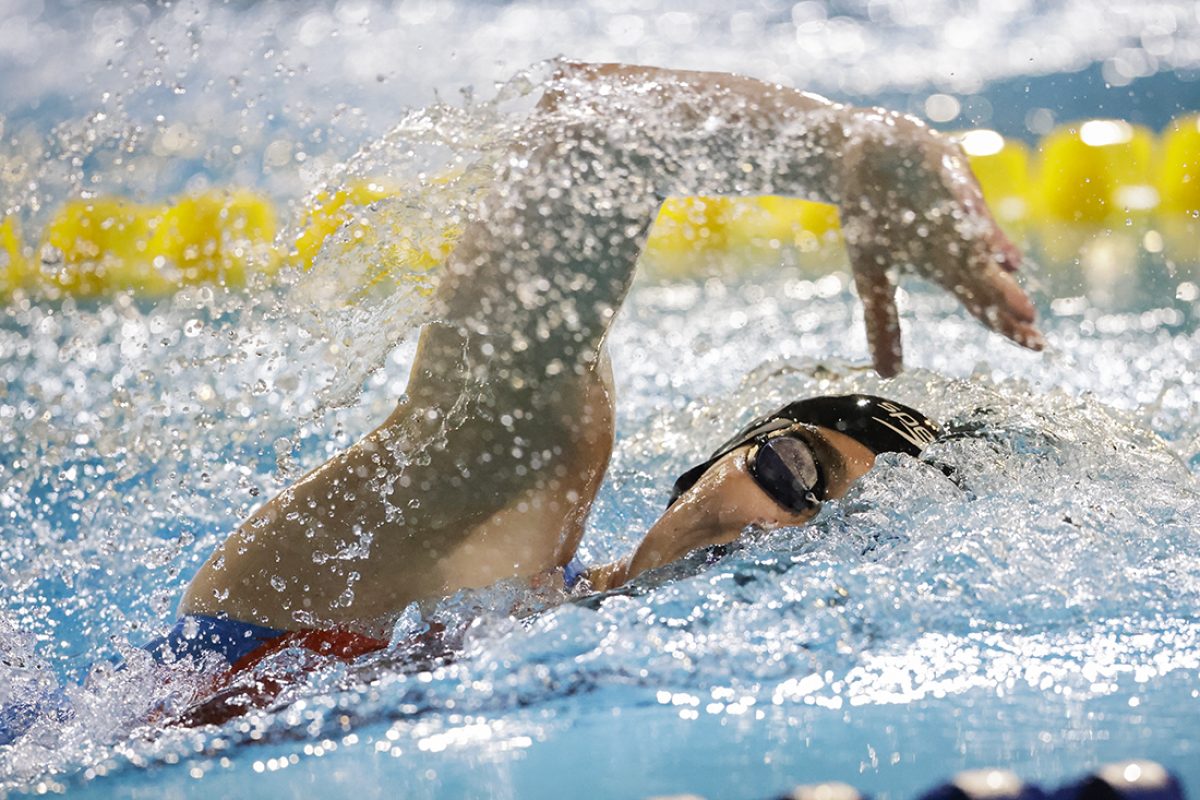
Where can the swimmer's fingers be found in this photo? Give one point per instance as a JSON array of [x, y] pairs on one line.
[[985, 282], [877, 291], [991, 293]]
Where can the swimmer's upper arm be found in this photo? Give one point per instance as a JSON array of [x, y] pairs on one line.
[[774, 94], [542, 269]]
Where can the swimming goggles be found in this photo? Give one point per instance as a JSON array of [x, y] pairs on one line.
[[785, 467], [781, 461]]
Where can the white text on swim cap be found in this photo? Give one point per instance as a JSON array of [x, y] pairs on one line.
[[913, 430]]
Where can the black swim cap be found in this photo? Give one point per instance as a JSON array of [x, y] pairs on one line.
[[880, 425]]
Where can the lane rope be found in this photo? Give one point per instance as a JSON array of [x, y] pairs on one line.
[[1101, 174]]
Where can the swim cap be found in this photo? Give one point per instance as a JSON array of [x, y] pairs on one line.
[[880, 425]]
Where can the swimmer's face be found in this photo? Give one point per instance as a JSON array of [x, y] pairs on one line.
[[727, 498]]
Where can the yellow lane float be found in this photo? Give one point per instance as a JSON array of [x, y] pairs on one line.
[[1179, 172], [385, 250], [1086, 179], [1002, 167], [1097, 171], [688, 229], [103, 245], [695, 233], [213, 238], [802, 224], [13, 264], [328, 213], [94, 246], [1179, 194]]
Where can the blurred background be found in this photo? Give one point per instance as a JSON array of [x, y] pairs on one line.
[[158, 103]]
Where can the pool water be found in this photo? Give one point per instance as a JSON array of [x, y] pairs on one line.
[[1039, 613], [1037, 609]]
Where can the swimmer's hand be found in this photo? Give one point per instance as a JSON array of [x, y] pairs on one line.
[[911, 203]]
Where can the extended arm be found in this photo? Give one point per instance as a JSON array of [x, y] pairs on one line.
[[490, 461], [610, 141]]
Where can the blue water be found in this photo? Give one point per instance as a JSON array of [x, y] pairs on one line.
[[1038, 612], [1040, 615]]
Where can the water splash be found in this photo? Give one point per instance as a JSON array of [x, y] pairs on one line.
[[140, 433], [917, 584], [371, 282]]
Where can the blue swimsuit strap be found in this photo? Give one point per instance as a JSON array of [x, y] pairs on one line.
[[196, 635], [572, 572]]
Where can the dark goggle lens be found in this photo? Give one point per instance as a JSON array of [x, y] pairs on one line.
[[786, 469], [745, 436]]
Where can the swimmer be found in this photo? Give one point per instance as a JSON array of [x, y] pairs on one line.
[[775, 472], [489, 464]]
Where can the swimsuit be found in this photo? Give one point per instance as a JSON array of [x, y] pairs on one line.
[[243, 644]]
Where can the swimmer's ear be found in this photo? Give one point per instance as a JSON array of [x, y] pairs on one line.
[[877, 291]]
